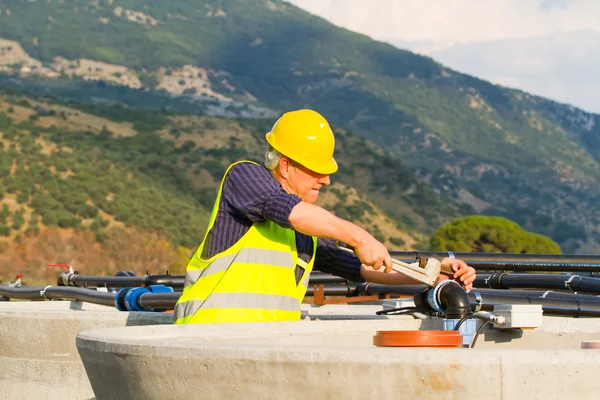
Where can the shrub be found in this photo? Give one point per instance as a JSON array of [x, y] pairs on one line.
[[490, 235]]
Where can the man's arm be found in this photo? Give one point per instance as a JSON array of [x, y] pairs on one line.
[[313, 220], [332, 260], [463, 274]]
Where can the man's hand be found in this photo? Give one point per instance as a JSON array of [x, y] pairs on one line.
[[373, 253], [463, 274]]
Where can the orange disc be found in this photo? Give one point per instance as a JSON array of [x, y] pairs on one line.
[[417, 339]]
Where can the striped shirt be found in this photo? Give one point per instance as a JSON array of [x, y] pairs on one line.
[[252, 194]]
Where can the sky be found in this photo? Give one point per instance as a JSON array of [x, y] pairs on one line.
[[546, 47]]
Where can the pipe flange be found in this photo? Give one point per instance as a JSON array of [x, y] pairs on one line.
[[495, 280]]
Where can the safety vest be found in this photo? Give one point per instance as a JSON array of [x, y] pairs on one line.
[[252, 281]]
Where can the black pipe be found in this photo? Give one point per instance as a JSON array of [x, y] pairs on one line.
[[502, 257], [332, 289], [513, 262], [538, 293], [318, 278], [575, 283], [176, 282], [534, 266], [70, 279]]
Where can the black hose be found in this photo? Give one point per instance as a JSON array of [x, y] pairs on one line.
[[58, 292], [369, 289], [22, 293], [573, 283], [486, 323]]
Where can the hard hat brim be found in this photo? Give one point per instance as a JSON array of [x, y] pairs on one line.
[[326, 167]]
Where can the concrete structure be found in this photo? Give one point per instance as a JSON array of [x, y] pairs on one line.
[[335, 359], [38, 357]]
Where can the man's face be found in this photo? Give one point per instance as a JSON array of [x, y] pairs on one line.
[[306, 183]]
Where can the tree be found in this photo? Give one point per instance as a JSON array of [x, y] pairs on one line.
[[490, 235]]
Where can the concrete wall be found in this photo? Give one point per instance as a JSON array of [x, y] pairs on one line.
[[336, 360], [38, 357]]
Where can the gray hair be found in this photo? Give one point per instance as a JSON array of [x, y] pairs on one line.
[[272, 158]]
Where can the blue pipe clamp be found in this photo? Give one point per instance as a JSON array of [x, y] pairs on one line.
[[127, 299]]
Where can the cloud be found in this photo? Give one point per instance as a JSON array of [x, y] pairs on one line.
[[446, 22], [555, 4]]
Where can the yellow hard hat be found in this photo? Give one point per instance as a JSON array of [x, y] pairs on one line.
[[305, 137]]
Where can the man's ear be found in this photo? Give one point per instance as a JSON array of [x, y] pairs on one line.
[[284, 167]]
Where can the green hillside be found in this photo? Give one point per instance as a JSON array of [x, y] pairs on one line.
[[502, 151], [96, 169]]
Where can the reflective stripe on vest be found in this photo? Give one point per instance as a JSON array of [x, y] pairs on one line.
[[239, 300], [254, 256]]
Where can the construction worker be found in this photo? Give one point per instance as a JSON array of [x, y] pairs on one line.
[[266, 235]]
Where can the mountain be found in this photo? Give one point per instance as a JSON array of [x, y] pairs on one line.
[[504, 152]]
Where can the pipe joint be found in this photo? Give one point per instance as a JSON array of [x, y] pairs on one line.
[[128, 299], [571, 285], [66, 278]]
